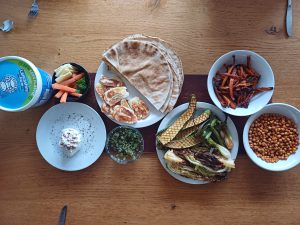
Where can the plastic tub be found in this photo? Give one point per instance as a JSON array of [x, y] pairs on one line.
[[22, 84]]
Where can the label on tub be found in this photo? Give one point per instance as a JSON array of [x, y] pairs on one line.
[[18, 84]]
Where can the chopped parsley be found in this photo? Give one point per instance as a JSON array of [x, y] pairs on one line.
[[126, 143]]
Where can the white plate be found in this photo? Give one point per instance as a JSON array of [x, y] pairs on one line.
[[154, 116], [201, 106], [71, 115]]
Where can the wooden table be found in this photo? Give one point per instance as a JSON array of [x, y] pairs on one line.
[[33, 192]]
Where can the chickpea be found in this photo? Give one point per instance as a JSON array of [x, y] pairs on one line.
[[273, 137]]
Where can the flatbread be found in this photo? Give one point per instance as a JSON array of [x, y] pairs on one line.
[[174, 62], [144, 66], [174, 59]]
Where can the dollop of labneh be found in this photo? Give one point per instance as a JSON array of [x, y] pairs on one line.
[[70, 140]]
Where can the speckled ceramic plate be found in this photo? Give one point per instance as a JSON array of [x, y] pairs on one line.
[[71, 115]]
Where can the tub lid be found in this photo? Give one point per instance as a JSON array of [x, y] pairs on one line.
[[18, 83]]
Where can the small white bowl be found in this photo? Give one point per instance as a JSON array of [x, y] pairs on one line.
[[283, 109], [260, 65]]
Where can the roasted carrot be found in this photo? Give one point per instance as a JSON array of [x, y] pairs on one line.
[[58, 94], [229, 102], [63, 98], [238, 85], [229, 75], [57, 86], [224, 81], [220, 98], [242, 71], [264, 89], [76, 94], [231, 88], [230, 69]]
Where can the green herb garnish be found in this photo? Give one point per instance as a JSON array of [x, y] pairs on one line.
[[126, 142]]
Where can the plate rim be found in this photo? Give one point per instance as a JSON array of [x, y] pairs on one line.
[[81, 105], [200, 105]]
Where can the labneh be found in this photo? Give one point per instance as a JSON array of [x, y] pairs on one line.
[[70, 140]]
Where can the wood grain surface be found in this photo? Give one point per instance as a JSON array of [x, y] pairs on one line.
[[32, 192]]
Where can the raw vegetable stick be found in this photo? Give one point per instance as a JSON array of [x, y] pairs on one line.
[[76, 94], [59, 94], [57, 86], [72, 79], [63, 98], [76, 74]]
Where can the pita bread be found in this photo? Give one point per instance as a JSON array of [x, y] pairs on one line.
[[145, 67], [174, 62]]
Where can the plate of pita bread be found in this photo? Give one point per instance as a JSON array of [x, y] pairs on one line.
[[138, 81]]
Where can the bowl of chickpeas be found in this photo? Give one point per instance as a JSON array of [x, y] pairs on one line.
[[271, 137]]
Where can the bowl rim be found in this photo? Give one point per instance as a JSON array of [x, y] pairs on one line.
[[211, 91], [124, 162], [259, 162]]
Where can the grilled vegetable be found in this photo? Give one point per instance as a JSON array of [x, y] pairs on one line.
[[185, 133], [206, 135], [197, 166], [186, 142], [170, 133], [198, 120], [197, 150], [226, 136]]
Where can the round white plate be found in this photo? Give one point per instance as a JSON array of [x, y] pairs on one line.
[[71, 115], [154, 116], [201, 106]]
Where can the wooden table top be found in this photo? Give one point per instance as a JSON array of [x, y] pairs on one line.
[[33, 192]]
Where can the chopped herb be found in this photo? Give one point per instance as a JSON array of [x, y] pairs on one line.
[[126, 142]]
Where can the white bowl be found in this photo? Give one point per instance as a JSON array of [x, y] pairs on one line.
[[260, 65], [286, 110]]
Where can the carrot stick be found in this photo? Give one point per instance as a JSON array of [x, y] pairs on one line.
[[242, 72], [229, 75], [57, 86], [63, 98], [76, 94], [224, 81], [59, 94], [72, 79], [231, 88], [220, 97], [230, 69], [229, 102]]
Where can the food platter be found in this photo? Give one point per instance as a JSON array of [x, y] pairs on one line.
[[138, 81], [154, 115], [201, 106], [76, 116]]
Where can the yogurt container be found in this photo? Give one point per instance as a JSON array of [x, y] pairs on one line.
[[22, 84]]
